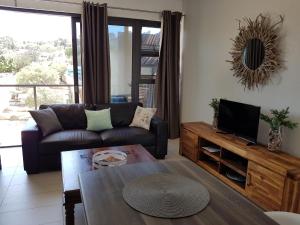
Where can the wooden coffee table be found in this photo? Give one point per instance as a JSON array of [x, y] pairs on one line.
[[78, 161], [103, 201]]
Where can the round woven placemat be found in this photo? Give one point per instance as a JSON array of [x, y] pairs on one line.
[[166, 195]]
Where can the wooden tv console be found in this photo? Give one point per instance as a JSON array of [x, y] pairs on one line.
[[271, 180]]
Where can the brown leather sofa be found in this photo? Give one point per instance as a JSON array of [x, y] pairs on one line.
[[43, 153]]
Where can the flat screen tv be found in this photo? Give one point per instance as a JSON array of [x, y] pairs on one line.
[[239, 119]]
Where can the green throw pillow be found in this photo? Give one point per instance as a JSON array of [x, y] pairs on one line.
[[98, 120]]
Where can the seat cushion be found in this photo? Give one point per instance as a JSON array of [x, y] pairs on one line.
[[69, 140], [127, 136]]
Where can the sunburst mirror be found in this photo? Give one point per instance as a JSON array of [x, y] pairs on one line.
[[256, 53]]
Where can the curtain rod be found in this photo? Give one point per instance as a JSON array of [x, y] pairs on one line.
[[110, 7]]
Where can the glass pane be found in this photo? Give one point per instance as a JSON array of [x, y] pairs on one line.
[[13, 113], [54, 95], [35, 49], [149, 65], [78, 39], [150, 39], [146, 95], [80, 94], [120, 40]]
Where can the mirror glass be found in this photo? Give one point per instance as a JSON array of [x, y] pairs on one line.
[[254, 53]]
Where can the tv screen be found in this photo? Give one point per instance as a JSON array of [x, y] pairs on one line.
[[239, 119]]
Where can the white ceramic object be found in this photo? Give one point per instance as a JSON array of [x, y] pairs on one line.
[[284, 218], [109, 158]]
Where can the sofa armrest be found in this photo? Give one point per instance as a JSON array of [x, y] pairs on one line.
[[31, 136], [159, 127]]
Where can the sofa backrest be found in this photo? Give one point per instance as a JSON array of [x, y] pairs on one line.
[[121, 113], [72, 116]]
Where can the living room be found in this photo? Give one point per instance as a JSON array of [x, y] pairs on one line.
[[121, 112]]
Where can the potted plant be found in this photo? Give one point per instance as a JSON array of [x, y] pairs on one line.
[[215, 105], [277, 120]]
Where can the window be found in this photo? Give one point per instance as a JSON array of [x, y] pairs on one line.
[[120, 41], [134, 54], [40, 63], [149, 62]]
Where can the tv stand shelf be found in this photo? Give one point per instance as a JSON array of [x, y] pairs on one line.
[[271, 180]]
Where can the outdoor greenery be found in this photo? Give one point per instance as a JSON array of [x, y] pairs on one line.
[[24, 59], [37, 63], [44, 96], [6, 65], [279, 118], [215, 105], [7, 43], [36, 73]]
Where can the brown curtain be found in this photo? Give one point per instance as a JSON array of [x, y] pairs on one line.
[[96, 68], [167, 81]]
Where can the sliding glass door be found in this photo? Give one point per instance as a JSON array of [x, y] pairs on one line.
[[40, 63], [134, 55], [120, 42]]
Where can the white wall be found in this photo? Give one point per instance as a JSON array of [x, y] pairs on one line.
[[153, 5], [209, 25]]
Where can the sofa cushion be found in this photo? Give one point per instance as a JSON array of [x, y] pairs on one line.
[[69, 140], [121, 113], [47, 121], [142, 117], [127, 136], [71, 116], [98, 120]]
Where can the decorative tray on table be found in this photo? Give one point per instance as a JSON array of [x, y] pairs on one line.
[[109, 158]]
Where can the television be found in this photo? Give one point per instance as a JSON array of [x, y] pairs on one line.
[[239, 119]]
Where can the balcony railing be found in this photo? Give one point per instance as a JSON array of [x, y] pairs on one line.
[[35, 86], [18, 99]]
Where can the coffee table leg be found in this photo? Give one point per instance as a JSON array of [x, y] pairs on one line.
[[71, 198], [69, 211]]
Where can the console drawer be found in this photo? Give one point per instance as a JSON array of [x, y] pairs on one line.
[[189, 152], [264, 187], [189, 144], [189, 138]]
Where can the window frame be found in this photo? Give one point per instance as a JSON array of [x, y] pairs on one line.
[[137, 53], [74, 20]]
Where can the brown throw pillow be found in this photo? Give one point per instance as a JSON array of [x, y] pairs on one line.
[[46, 120]]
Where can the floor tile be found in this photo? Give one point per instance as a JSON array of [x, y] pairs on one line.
[[8, 171], [11, 157], [20, 170], [41, 178], [5, 181], [54, 223], [37, 216], [173, 150], [15, 203], [32, 189]]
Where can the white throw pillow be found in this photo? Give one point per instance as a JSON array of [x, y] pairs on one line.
[[142, 117]]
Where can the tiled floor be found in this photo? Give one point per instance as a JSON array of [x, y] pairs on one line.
[[37, 199]]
